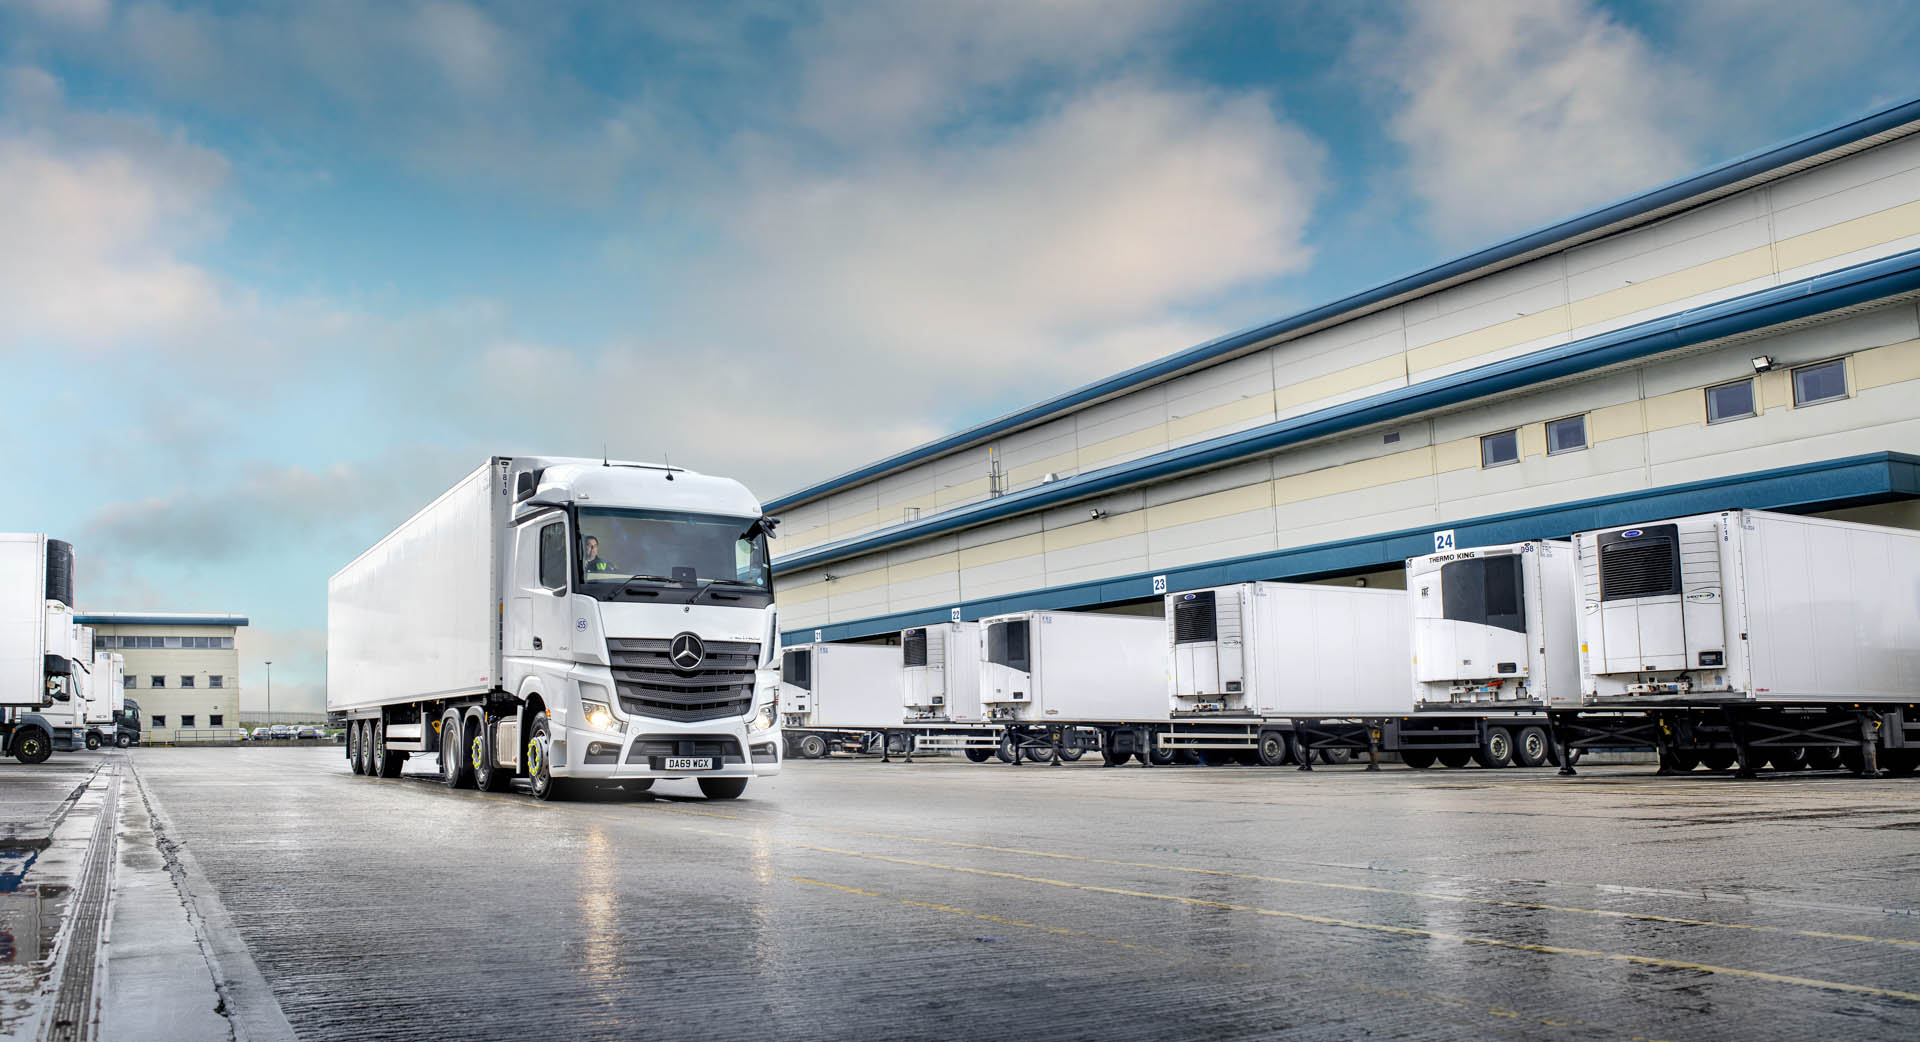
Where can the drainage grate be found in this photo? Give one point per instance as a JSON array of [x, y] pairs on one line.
[[74, 1004]]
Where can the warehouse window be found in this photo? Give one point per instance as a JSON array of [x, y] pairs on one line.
[[216, 720], [1566, 435], [127, 680], [1824, 382], [186, 681], [1730, 401], [216, 680], [159, 719], [1496, 449], [156, 680], [186, 719]]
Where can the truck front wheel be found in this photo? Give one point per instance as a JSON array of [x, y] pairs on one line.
[[539, 770], [32, 744], [93, 740], [455, 771], [122, 741], [722, 788]]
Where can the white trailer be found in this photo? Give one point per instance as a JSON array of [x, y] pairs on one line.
[[1060, 683], [563, 620], [36, 641], [1494, 627], [839, 696], [106, 698], [1753, 637], [942, 673]]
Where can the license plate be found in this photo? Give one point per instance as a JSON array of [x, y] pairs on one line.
[[688, 763]]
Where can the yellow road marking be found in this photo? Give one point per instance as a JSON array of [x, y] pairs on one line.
[[1351, 924]]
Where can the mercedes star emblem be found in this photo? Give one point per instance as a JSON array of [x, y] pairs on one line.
[[686, 652]]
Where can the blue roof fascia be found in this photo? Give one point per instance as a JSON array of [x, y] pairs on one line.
[[158, 620], [1820, 294], [1852, 479], [1731, 172]]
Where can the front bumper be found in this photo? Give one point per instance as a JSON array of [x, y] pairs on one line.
[[605, 756]]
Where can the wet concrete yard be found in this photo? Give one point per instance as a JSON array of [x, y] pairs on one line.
[[951, 900]]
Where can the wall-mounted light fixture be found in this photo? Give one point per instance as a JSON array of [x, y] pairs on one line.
[[1762, 363], [1096, 513]]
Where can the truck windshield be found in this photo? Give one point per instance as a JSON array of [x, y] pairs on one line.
[[665, 547]]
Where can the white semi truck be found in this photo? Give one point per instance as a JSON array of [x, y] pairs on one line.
[[565, 621], [68, 720], [1748, 638], [839, 695], [36, 641]]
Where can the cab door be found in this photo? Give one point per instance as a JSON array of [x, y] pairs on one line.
[[540, 601]]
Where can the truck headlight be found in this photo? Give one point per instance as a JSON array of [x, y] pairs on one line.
[[764, 719], [598, 715]]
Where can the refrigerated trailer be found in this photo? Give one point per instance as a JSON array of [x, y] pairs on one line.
[[1293, 672], [106, 698], [564, 621], [837, 696], [1061, 683], [36, 641], [1746, 637]]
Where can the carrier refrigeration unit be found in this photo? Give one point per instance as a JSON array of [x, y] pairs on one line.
[[36, 641], [942, 673], [1748, 637], [838, 696], [563, 621]]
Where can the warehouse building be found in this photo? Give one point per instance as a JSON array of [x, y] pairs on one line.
[[181, 667], [1745, 337]]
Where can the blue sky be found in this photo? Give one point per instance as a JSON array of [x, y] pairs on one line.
[[272, 275]]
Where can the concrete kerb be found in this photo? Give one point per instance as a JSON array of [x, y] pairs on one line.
[[245, 999]]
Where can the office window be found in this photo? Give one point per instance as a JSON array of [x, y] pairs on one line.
[[169, 642], [186, 719], [186, 681], [159, 719], [216, 720], [1566, 435], [226, 642], [1730, 401], [1813, 384], [216, 680], [156, 680], [1496, 449], [127, 680]]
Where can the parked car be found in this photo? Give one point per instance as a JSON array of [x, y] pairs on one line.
[[280, 732], [311, 734]]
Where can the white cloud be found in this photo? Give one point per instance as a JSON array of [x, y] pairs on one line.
[[1514, 114], [94, 212]]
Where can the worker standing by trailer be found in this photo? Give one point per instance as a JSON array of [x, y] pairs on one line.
[[475, 631], [36, 641]]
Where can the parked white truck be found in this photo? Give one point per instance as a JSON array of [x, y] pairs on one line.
[[36, 641], [67, 721], [565, 621], [1746, 637], [833, 695], [106, 698]]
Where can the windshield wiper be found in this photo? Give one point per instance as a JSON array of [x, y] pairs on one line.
[[711, 583], [631, 579]]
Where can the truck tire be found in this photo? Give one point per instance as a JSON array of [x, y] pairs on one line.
[[1823, 758], [455, 771], [1335, 757], [1531, 748], [122, 740], [812, 747], [1718, 762], [1792, 758], [382, 762], [1418, 759], [486, 776], [32, 744], [360, 746], [539, 770], [1160, 757], [1070, 748], [1496, 749], [1272, 749], [93, 740], [1110, 757], [1037, 754], [637, 785], [1009, 751], [979, 755], [722, 788], [1455, 758]]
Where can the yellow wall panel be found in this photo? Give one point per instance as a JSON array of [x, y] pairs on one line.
[[1206, 508], [1848, 236], [1490, 338], [1004, 550], [1392, 367], [1895, 363], [1704, 278], [1463, 454], [1221, 415], [1776, 390], [921, 569], [1085, 532], [1533, 439], [1351, 477], [1099, 452], [1679, 409], [1616, 421]]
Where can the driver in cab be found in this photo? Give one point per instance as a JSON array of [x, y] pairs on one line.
[[593, 561]]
